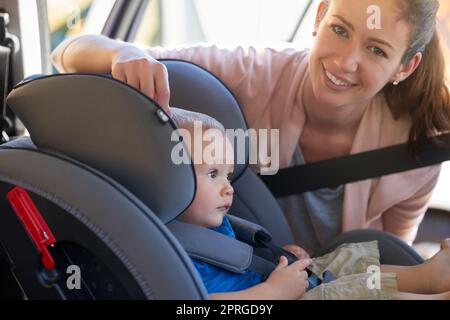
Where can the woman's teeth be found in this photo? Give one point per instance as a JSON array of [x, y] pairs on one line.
[[336, 81]]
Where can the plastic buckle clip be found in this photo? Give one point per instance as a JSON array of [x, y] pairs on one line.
[[35, 225]]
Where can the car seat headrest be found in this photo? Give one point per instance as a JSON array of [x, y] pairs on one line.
[[196, 89], [111, 127]]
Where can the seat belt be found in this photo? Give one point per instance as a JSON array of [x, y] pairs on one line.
[[356, 167]]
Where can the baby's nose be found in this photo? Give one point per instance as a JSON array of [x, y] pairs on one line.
[[228, 190]]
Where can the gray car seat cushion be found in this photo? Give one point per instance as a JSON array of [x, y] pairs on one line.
[[125, 224], [254, 202], [213, 247], [114, 129], [248, 232], [212, 98]]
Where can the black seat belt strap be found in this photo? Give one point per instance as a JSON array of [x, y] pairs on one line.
[[356, 167]]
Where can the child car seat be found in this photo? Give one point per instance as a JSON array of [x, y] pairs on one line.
[[121, 246], [91, 180]]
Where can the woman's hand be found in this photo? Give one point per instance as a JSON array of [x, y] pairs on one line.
[[300, 253], [126, 62], [289, 281], [138, 69]]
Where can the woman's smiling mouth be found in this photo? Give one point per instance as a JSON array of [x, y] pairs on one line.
[[337, 81]]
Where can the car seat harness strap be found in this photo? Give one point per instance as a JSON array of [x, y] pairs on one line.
[[236, 255]]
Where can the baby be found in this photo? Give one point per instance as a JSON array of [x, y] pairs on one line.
[[352, 264]]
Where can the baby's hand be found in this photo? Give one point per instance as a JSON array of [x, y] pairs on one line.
[[289, 281], [300, 253]]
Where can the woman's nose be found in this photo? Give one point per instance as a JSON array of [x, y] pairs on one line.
[[348, 59]]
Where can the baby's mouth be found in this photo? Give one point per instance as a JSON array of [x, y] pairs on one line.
[[224, 207]]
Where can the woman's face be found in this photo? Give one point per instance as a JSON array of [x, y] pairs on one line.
[[350, 62]]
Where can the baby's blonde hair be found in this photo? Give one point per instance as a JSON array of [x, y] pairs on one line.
[[185, 119], [189, 121]]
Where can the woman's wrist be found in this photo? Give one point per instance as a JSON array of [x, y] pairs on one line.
[[125, 50]]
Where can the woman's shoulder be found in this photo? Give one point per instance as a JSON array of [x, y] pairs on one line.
[[276, 53], [394, 129], [288, 53]]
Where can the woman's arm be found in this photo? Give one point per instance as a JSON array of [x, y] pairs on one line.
[[254, 76], [87, 53], [126, 62], [404, 218]]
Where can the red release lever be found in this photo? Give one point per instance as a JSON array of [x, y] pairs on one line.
[[35, 225]]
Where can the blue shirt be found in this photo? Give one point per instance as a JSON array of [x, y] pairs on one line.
[[218, 280]]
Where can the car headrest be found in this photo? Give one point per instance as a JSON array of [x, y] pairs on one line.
[[111, 127], [196, 89]]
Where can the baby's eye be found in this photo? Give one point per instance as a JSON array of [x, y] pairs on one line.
[[229, 176], [340, 31], [212, 174], [377, 51]]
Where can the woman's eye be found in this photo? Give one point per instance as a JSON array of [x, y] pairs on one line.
[[212, 174], [340, 31], [378, 52]]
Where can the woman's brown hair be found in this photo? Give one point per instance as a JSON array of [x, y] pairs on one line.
[[424, 94]]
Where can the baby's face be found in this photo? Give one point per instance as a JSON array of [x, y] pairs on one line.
[[214, 194]]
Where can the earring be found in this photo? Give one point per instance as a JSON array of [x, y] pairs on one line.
[[396, 82], [314, 33]]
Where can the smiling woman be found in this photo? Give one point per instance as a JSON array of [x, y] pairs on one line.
[[358, 88]]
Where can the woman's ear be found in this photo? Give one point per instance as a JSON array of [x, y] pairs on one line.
[[408, 68], [321, 11]]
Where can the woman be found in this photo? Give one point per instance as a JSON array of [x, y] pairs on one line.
[[359, 88]]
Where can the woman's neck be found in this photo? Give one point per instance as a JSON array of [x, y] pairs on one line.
[[336, 119]]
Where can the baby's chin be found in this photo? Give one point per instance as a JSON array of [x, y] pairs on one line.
[[220, 216]]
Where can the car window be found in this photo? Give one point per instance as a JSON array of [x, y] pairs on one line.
[[67, 18], [227, 23], [444, 30]]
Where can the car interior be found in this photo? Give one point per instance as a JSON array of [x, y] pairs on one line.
[[88, 182]]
